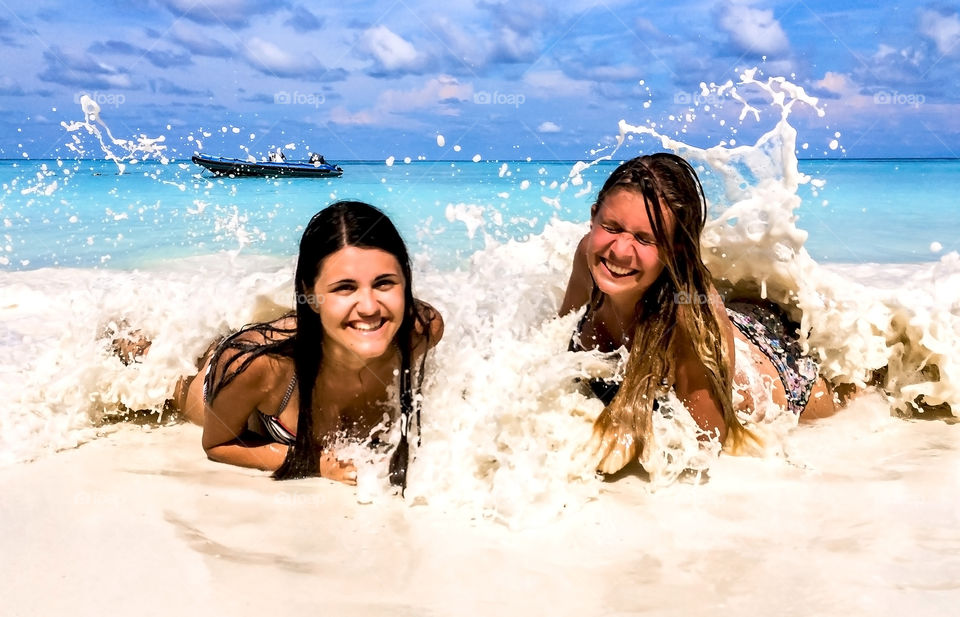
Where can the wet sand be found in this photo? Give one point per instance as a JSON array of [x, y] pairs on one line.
[[861, 518]]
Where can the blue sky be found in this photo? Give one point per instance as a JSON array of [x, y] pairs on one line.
[[499, 79]]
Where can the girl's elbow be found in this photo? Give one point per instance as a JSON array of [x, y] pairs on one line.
[[214, 453]]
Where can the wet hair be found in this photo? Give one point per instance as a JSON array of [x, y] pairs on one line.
[[339, 225], [670, 190]]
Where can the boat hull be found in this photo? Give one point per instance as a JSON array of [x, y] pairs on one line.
[[240, 168]]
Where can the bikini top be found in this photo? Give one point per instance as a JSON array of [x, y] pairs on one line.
[[272, 424], [603, 389]]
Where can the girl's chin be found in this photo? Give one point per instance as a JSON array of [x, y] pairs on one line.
[[611, 285], [370, 354], [372, 345]]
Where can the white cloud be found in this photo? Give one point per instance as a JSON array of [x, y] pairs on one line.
[[548, 127], [557, 84], [430, 96], [8, 85], [848, 90], [513, 46], [81, 69], [271, 57], [196, 40], [622, 72], [463, 46], [783, 66], [217, 12], [645, 25], [434, 95], [752, 29], [836, 83], [390, 50], [944, 30], [884, 50], [340, 115]]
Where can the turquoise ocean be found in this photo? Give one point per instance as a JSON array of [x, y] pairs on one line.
[[868, 211]]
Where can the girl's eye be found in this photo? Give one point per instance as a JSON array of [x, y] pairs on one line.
[[386, 284], [609, 229], [343, 288], [644, 240]]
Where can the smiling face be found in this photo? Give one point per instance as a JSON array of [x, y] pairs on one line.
[[359, 295], [622, 252]]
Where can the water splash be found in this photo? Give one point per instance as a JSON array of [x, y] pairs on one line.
[[752, 245], [120, 151]]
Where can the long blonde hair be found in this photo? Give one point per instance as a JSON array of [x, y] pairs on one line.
[[680, 297]]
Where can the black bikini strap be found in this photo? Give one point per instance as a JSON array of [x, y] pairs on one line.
[[288, 394]]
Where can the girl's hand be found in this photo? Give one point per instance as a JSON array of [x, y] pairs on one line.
[[612, 445], [334, 469]]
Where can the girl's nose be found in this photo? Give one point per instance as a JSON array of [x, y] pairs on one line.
[[623, 245], [366, 302]]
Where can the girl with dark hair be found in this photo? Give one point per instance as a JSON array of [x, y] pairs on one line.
[[639, 271], [275, 396]]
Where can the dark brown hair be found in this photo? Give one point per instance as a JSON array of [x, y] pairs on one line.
[[341, 224]]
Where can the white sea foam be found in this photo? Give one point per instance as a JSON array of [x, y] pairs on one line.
[[503, 417], [59, 375]]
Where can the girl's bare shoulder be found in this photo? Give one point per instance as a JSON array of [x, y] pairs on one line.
[[429, 326]]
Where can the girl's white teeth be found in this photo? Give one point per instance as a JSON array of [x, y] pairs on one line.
[[617, 269], [365, 326]]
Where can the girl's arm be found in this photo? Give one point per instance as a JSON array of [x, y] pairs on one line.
[[692, 385], [581, 282], [225, 438]]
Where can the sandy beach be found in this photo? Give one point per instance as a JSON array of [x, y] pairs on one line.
[[139, 522]]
